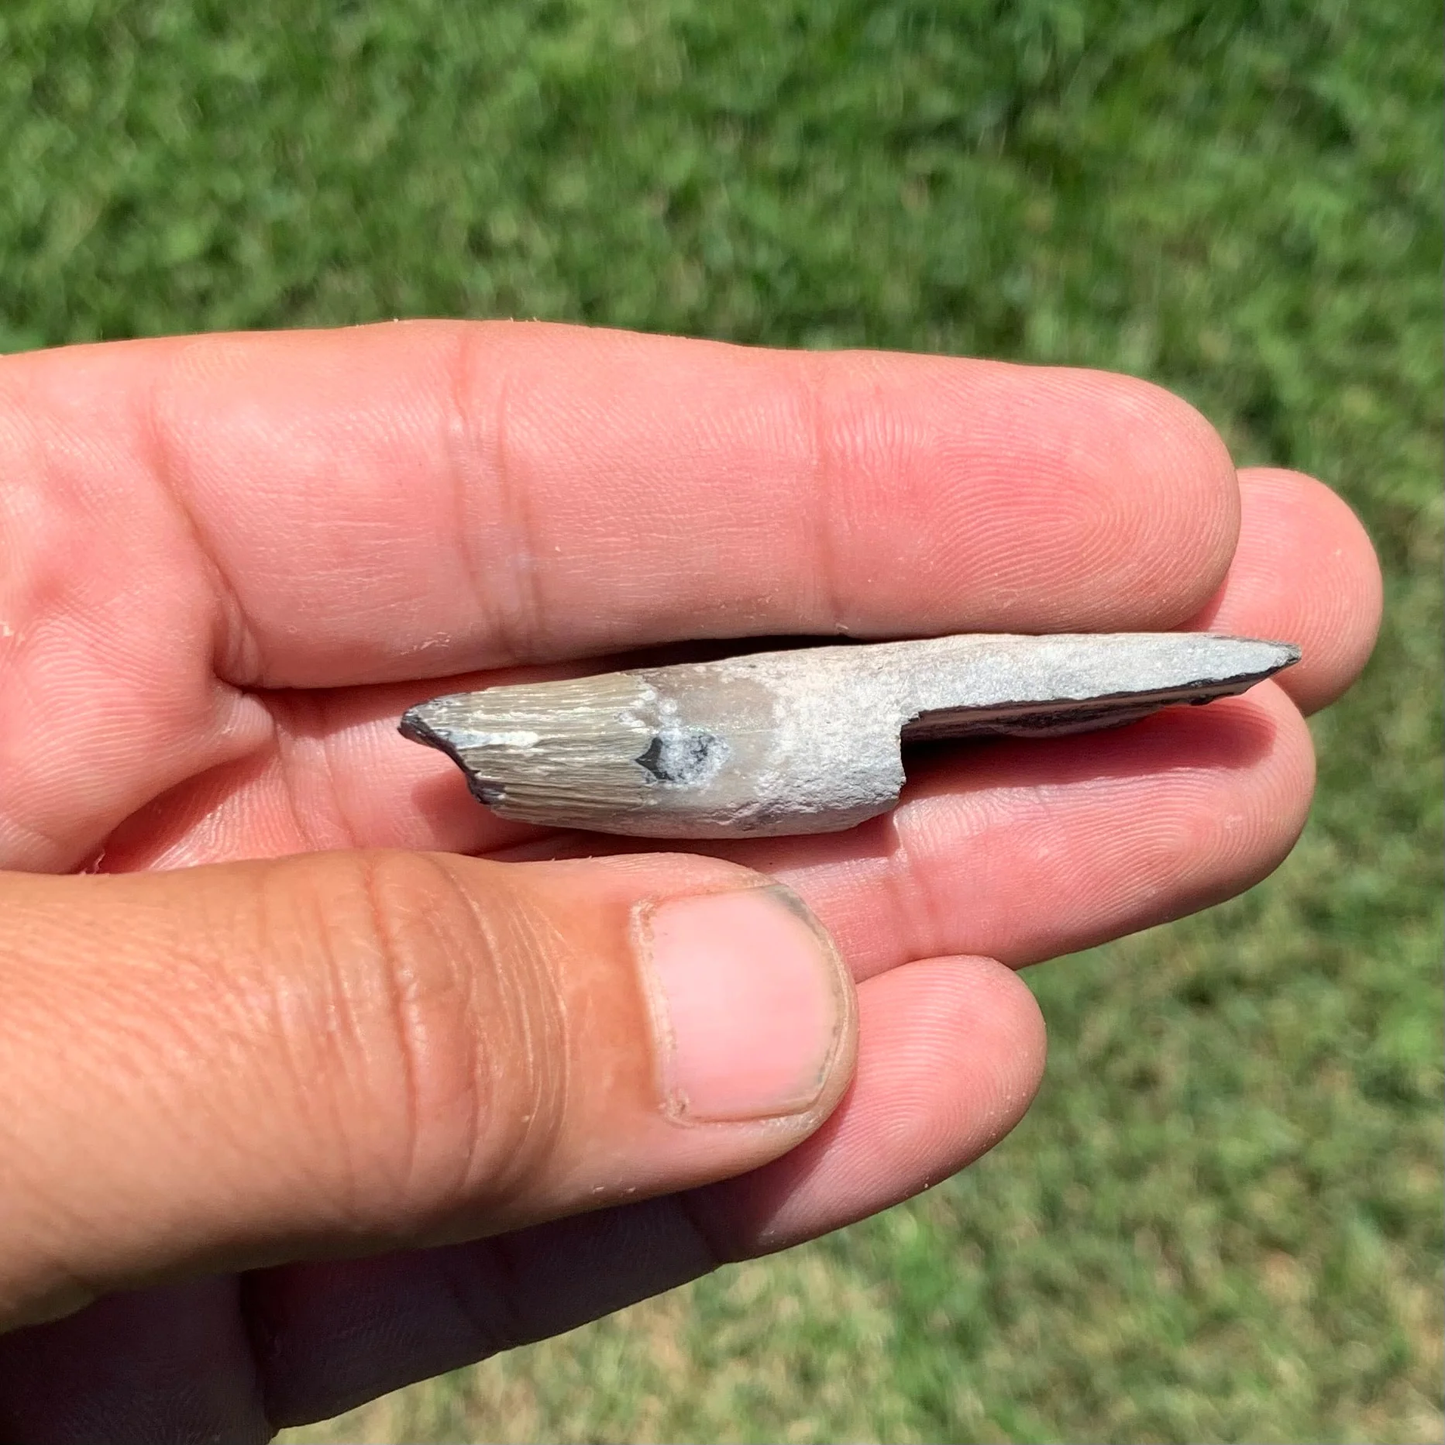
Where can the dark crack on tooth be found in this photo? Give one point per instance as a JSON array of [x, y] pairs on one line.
[[683, 757]]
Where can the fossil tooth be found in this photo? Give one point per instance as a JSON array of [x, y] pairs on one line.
[[805, 741]]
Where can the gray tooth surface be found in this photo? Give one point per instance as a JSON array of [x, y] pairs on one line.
[[804, 741]]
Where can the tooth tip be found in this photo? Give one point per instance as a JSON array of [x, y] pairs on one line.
[[417, 725], [1264, 655], [1281, 654]]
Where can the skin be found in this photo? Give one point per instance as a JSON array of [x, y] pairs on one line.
[[253, 944]]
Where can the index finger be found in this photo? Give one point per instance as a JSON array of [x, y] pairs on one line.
[[423, 498]]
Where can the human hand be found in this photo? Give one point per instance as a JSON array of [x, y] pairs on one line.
[[259, 1108]]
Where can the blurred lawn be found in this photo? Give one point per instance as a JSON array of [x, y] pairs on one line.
[[1222, 1220]]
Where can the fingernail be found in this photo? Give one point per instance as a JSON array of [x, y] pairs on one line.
[[749, 1003]]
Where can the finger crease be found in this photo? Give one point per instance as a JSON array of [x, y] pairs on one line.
[[514, 608], [911, 901], [297, 743], [496, 1315], [399, 979], [823, 544], [236, 652], [692, 1216], [542, 1055]]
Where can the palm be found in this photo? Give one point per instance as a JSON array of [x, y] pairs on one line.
[[298, 538]]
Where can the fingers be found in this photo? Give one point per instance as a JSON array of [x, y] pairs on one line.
[[1304, 572], [1026, 851], [908, 1121], [186, 519], [951, 1052], [171, 1363], [1015, 850], [418, 499], [351, 1051]]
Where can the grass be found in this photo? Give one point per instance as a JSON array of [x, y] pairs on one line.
[[1222, 1220]]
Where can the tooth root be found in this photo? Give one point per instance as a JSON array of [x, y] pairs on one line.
[[808, 740]]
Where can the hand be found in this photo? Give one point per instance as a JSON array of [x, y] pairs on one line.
[[258, 1107]]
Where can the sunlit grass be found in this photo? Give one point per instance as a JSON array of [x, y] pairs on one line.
[[1222, 1220]]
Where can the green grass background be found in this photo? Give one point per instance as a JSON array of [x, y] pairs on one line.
[[1222, 1220]]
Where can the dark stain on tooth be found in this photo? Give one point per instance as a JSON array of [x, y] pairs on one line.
[[683, 757]]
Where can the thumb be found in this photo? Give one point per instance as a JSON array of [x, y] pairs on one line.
[[226, 1067]]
